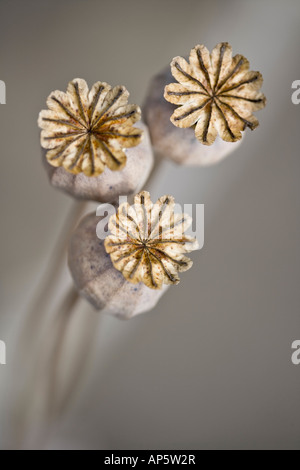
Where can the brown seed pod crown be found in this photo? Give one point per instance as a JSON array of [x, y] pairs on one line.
[[87, 131], [216, 93], [148, 242]]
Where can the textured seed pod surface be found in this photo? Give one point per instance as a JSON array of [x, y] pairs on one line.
[[109, 185], [216, 93], [87, 131], [99, 282], [148, 241], [178, 144]]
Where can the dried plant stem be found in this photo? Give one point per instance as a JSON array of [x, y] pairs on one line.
[[81, 357], [58, 395], [34, 314], [36, 388], [48, 392], [33, 337], [64, 318]]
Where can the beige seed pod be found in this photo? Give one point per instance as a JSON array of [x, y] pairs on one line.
[[148, 241], [124, 268], [216, 94], [92, 151], [99, 282]]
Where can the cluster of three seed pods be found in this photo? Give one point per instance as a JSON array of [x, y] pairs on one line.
[[93, 150]]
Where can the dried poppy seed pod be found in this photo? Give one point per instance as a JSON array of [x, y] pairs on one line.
[[126, 274], [92, 151], [148, 241], [99, 282], [216, 94]]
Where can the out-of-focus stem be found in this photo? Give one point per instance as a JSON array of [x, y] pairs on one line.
[[64, 318], [34, 316], [36, 326]]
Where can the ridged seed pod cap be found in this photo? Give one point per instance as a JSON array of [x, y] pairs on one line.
[[91, 148], [215, 95]]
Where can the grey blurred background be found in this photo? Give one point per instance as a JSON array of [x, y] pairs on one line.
[[210, 367]]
